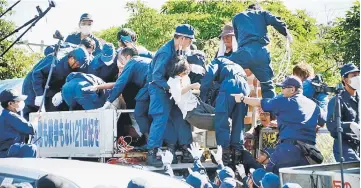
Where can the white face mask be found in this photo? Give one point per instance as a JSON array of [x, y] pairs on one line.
[[21, 106], [355, 83], [108, 63], [85, 29]]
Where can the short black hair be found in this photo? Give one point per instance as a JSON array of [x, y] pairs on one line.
[[5, 104], [177, 65], [254, 6], [88, 43], [127, 32], [129, 51]]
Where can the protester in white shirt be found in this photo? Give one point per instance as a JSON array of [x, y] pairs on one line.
[[195, 111]]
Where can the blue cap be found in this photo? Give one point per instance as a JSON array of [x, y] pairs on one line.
[[137, 183], [291, 81], [80, 55], [86, 17], [48, 50], [226, 172], [11, 95], [348, 68], [108, 52], [197, 57], [228, 183], [257, 176], [185, 30], [270, 180], [291, 185], [195, 179]]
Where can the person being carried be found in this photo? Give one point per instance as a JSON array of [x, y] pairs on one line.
[[195, 111]]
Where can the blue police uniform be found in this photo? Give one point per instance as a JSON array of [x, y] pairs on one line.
[[60, 72], [297, 118], [135, 71], [232, 80], [349, 113], [76, 98], [75, 38], [13, 130], [98, 67], [250, 28], [143, 52], [320, 99], [196, 57]]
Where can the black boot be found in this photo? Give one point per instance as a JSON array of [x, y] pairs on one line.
[[237, 157], [152, 159], [187, 157], [226, 157], [172, 149]]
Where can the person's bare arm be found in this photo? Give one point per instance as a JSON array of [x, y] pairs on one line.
[[194, 86], [106, 85], [247, 100]]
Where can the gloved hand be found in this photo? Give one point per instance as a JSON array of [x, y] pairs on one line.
[[196, 151], [238, 97], [107, 105], [241, 170], [38, 100], [57, 99], [167, 157], [89, 88], [218, 156], [355, 129]]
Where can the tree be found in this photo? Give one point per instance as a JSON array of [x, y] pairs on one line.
[[208, 17], [346, 35], [16, 62]]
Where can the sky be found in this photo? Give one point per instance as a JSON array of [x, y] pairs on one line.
[[107, 13]]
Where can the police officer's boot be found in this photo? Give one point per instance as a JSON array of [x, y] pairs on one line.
[[187, 157], [226, 157], [172, 149], [237, 157], [152, 159]]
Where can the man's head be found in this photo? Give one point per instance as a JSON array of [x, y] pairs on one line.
[[88, 44], [125, 55], [257, 176], [126, 35], [350, 76], [291, 86], [78, 58], [254, 6], [303, 71], [264, 156], [227, 35], [270, 180], [183, 36], [226, 172], [108, 53], [178, 66], [85, 23], [12, 100]]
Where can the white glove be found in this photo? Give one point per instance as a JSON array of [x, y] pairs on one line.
[[241, 170], [57, 99], [107, 105], [355, 129], [89, 88], [218, 156], [196, 150], [38, 100], [167, 157]]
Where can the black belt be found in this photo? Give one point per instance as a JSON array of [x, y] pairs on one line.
[[294, 142]]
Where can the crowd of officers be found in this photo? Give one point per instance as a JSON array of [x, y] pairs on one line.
[[91, 74]]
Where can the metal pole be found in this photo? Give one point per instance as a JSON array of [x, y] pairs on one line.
[[339, 131], [6, 11]]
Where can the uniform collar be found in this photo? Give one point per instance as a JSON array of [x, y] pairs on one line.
[[346, 95]]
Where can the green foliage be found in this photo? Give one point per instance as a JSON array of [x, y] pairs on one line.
[[312, 43], [346, 35], [16, 63]]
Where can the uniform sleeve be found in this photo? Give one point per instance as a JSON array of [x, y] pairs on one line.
[[322, 118], [120, 84], [39, 76], [207, 80], [276, 23], [331, 120], [20, 124], [272, 105], [308, 90], [234, 28], [159, 71], [97, 49], [175, 89]]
